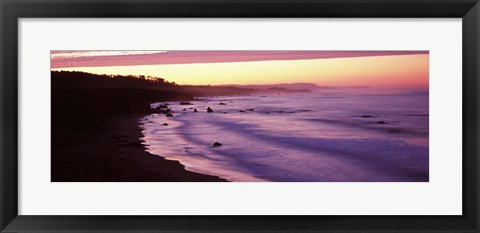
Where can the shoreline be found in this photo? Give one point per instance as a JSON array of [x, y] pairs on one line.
[[114, 153]]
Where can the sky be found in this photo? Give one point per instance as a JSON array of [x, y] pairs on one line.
[[383, 69]]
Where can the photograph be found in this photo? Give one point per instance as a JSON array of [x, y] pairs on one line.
[[201, 116], [239, 115]]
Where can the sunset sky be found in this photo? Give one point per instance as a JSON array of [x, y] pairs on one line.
[[385, 69]]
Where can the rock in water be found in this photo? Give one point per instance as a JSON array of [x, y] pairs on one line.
[[209, 109], [365, 116], [162, 110], [165, 124], [217, 144], [169, 115], [185, 103], [381, 122], [241, 111], [184, 109], [222, 104], [195, 110]]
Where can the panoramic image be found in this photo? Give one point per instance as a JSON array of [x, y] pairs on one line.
[[239, 116]]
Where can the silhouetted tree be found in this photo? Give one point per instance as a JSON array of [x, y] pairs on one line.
[[83, 80]]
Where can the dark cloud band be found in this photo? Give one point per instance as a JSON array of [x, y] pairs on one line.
[[72, 58]]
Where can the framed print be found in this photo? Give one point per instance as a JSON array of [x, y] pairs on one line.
[[310, 116]]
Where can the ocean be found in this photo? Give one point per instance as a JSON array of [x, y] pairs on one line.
[[301, 137]]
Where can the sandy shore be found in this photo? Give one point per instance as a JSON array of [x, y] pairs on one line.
[[113, 153]]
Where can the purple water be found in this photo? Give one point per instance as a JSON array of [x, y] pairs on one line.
[[323, 137]]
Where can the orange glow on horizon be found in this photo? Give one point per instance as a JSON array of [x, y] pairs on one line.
[[395, 71]]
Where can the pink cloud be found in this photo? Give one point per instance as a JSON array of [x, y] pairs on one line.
[[89, 58]]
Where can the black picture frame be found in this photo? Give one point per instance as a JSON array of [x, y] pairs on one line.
[[11, 11]]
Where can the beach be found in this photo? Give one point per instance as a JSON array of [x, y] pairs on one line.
[[114, 154], [97, 141]]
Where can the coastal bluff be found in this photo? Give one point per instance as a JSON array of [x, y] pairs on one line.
[[96, 135]]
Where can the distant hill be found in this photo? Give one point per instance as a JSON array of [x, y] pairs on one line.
[[296, 86], [287, 86], [348, 87]]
